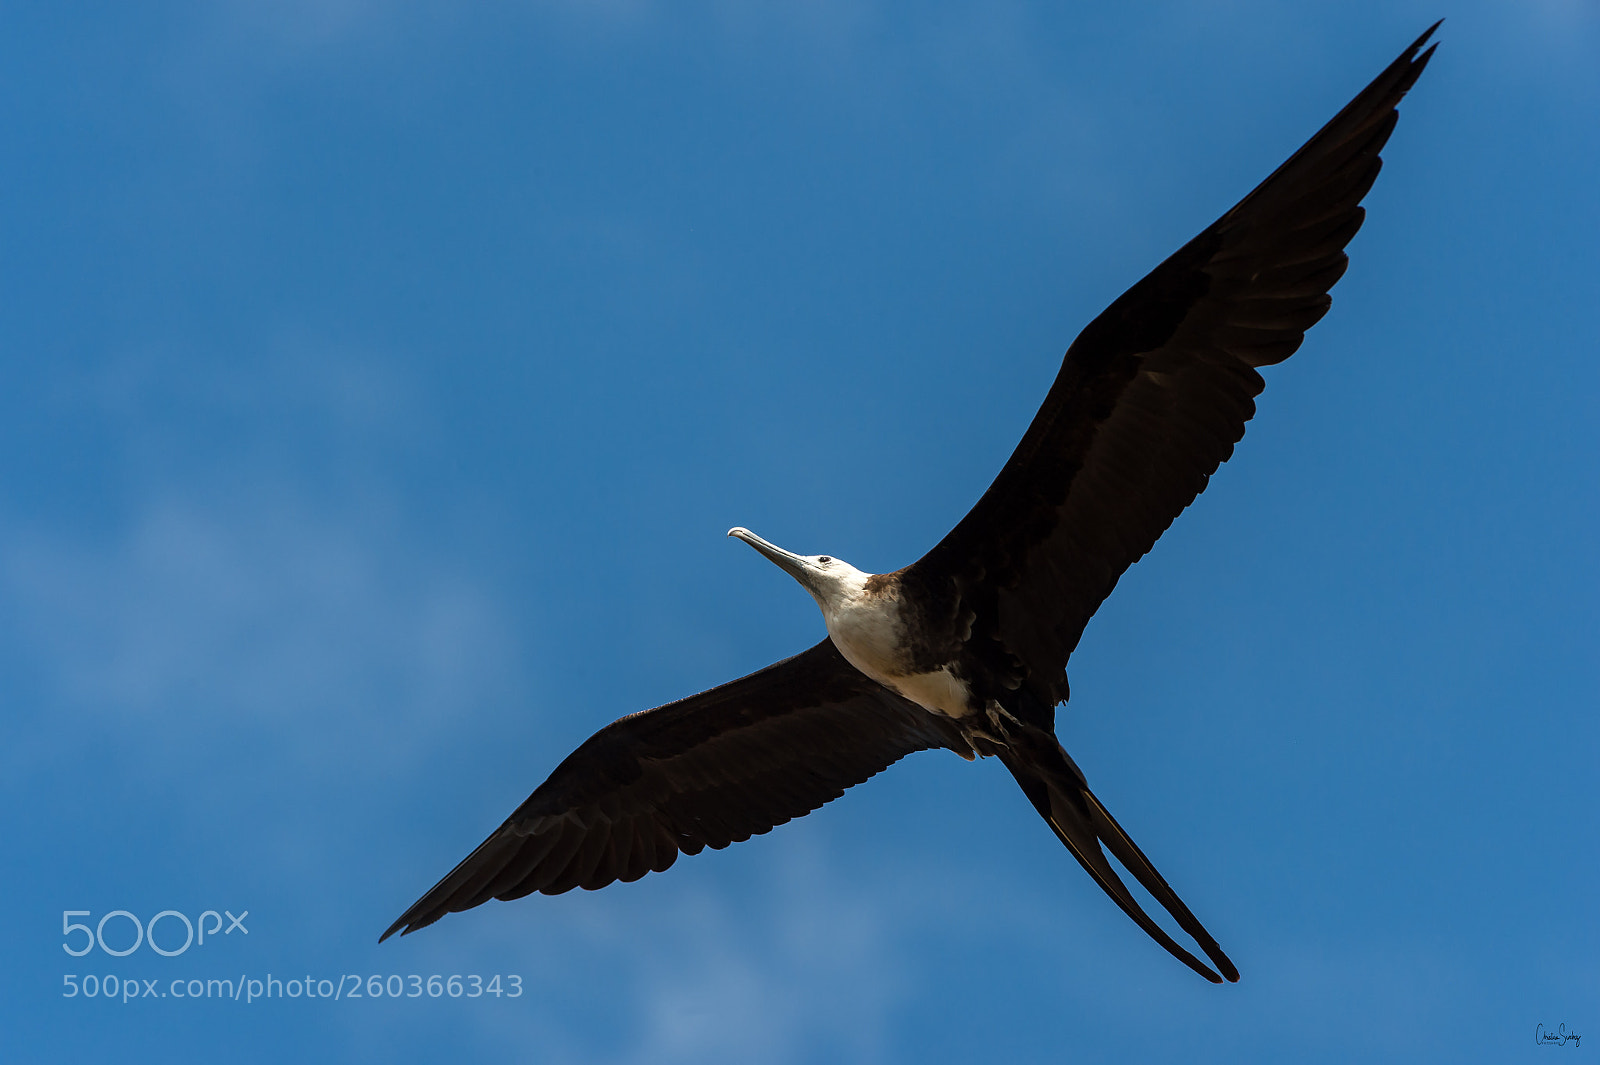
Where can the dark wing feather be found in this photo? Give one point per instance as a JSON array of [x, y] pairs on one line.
[[1154, 393], [707, 771]]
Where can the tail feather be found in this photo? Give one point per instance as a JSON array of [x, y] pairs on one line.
[[1059, 792], [1133, 859]]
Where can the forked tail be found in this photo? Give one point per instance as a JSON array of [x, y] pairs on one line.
[[1059, 792]]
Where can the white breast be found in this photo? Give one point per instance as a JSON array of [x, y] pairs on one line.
[[941, 691], [867, 631]]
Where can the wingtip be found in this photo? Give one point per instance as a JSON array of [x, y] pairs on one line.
[[1417, 62]]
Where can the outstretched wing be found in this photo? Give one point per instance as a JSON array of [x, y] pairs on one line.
[[1154, 393], [707, 771]]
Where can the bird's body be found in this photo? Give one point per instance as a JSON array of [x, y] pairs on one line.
[[880, 629], [966, 649]]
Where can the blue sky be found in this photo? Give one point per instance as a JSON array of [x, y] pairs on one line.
[[379, 381]]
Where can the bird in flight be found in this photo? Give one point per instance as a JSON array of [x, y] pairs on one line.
[[966, 648]]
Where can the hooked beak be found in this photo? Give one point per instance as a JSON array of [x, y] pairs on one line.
[[791, 563]]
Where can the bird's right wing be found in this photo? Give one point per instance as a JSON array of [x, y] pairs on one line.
[[706, 771]]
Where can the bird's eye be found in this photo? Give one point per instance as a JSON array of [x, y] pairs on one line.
[[824, 559]]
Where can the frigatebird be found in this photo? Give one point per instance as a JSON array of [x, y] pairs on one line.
[[966, 648]]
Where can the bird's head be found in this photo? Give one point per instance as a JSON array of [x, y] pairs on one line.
[[829, 580]]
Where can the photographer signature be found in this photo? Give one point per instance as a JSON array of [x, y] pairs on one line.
[[1554, 1037]]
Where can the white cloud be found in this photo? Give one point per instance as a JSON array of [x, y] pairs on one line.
[[779, 955], [258, 577], [801, 962], [249, 612], [821, 970]]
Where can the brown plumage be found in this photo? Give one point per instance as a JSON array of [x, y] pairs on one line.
[[1150, 399], [707, 771]]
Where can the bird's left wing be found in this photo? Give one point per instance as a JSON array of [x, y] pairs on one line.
[[706, 771], [1156, 391]]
